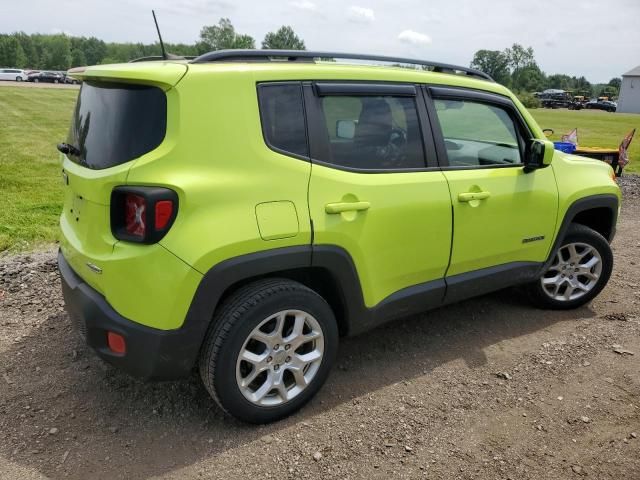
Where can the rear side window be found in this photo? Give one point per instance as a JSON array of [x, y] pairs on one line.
[[373, 132], [282, 115], [114, 123]]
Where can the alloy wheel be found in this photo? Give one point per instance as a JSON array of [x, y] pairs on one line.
[[574, 272], [280, 358]]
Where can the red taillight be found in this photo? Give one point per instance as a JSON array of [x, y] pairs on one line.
[[164, 211], [142, 214], [116, 343], [135, 208]]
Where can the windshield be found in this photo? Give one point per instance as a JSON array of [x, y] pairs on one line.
[[115, 123]]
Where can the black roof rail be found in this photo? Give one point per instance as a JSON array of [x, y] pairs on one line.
[[154, 58], [309, 56]]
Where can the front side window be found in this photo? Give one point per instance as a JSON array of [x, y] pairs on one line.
[[478, 134], [282, 114], [372, 132]]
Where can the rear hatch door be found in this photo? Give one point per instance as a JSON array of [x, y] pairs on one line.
[[120, 116]]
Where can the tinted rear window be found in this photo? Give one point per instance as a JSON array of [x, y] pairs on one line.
[[114, 123]]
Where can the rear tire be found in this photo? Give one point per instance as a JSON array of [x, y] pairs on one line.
[[580, 270], [270, 349]]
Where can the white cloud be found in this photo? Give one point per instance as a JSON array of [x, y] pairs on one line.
[[413, 37], [304, 5], [360, 14]]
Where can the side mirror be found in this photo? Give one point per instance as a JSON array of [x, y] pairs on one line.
[[345, 129], [538, 154]]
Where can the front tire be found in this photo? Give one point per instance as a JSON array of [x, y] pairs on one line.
[[18, 79], [270, 349], [580, 269]]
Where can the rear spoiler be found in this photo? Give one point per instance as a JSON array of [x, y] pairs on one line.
[[164, 74]]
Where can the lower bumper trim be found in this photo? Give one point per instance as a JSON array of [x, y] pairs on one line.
[[151, 353]]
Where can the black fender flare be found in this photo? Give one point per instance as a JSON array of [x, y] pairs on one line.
[[354, 316], [608, 201], [334, 261]]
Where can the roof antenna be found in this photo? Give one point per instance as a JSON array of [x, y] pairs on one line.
[[164, 53]]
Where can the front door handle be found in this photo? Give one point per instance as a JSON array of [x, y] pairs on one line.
[[470, 196], [333, 208]]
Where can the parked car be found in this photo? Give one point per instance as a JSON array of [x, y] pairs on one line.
[[15, 74], [68, 79], [50, 77], [328, 199], [602, 105]]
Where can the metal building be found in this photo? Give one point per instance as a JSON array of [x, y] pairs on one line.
[[629, 99]]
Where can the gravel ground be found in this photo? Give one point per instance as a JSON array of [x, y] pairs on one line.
[[486, 389]]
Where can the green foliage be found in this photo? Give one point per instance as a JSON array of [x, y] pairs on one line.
[[560, 81], [493, 62], [528, 100], [57, 56], [529, 79], [616, 82], [61, 52], [223, 36], [283, 39], [520, 57], [93, 50], [516, 67]]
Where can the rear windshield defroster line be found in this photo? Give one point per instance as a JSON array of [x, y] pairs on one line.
[[114, 123]]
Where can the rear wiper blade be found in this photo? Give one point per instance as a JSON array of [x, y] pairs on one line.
[[68, 149]]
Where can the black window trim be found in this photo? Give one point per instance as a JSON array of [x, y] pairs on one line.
[[432, 93], [259, 85], [317, 129], [355, 89]]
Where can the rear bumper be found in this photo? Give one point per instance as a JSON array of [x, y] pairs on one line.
[[150, 353]]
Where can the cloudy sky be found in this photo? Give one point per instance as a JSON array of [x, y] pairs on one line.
[[585, 37]]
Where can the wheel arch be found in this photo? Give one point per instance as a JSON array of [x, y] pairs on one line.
[[598, 212], [329, 271]]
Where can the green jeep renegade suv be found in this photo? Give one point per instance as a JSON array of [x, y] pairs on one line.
[[241, 211]]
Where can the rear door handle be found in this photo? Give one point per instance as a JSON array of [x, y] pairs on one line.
[[470, 196], [333, 208]]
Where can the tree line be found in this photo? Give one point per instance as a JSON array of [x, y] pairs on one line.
[[61, 52], [516, 68]]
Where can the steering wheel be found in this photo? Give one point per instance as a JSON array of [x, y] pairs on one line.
[[393, 152], [398, 138]]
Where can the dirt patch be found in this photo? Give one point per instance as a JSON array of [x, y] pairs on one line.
[[486, 389]]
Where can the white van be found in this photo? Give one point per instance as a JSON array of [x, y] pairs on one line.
[[12, 74]]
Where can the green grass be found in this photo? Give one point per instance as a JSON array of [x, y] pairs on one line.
[[595, 129], [33, 121]]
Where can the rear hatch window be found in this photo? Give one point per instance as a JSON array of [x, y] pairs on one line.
[[114, 123]]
